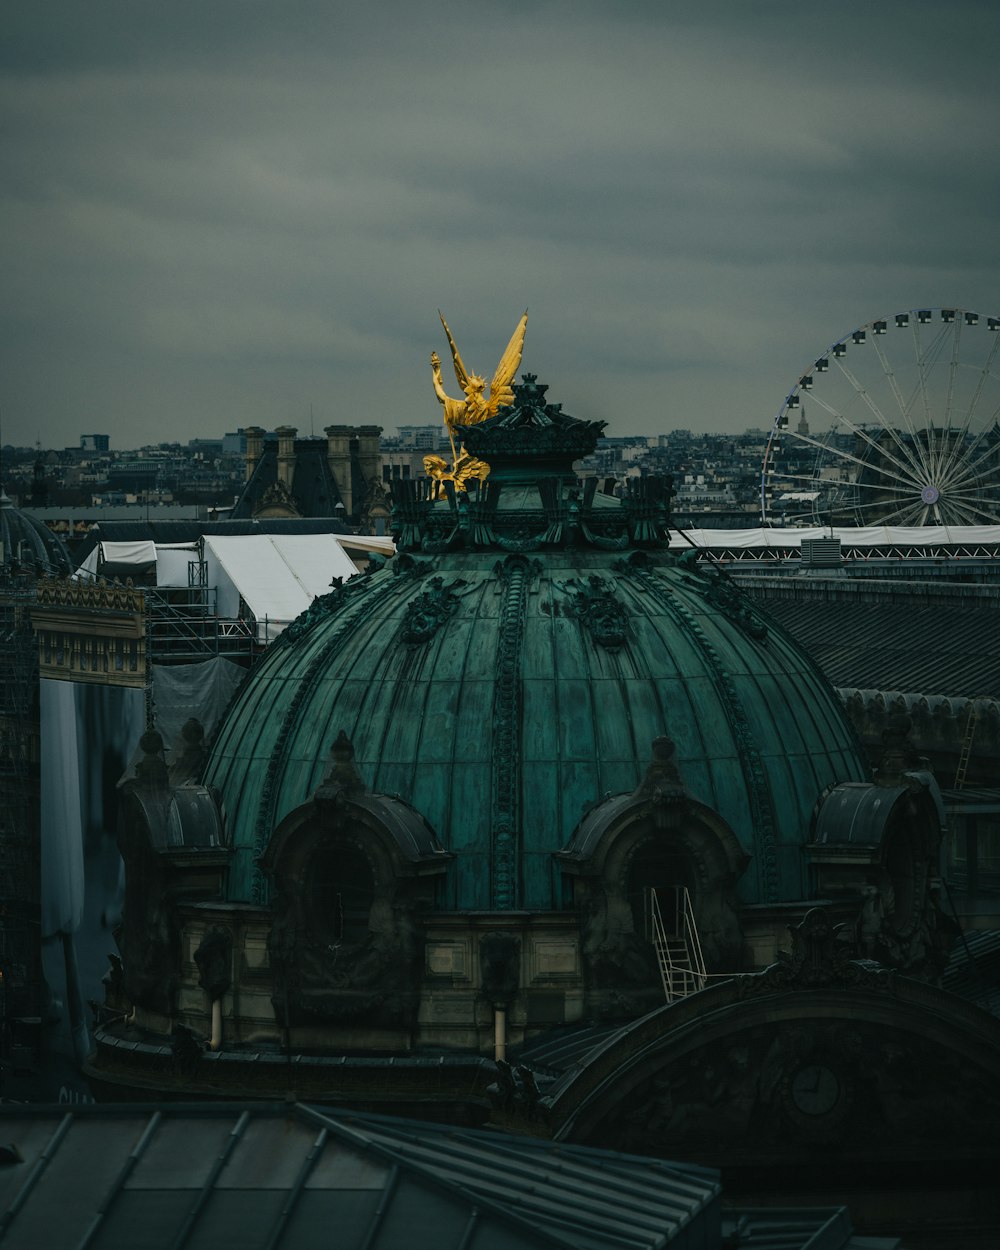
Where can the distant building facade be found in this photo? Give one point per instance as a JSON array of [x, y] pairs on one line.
[[287, 476]]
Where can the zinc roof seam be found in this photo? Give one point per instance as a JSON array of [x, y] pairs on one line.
[[320, 643], [385, 690], [667, 622], [434, 648], [558, 1181], [311, 657], [194, 1211], [37, 1169], [819, 706], [357, 1138], [573, 1209], [826, 750], [583, 1215], [794, 651], [763, 816], [453, 752], [107, 1202], [568, 1159], [637, 655]]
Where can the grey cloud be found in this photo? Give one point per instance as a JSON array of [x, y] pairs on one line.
[[216, 214]]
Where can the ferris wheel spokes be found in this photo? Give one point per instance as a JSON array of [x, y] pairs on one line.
[[908, 441]]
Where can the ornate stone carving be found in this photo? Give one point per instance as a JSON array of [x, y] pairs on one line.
[[506, 813], [103, 596], [515, 1094], [723, 593], [277, 495], [600, 611], [320, 608], [810, 1083], [822, 954], [428, 611], [374, 980]]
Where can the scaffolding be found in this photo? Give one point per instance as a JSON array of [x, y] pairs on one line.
[[20, 919], [184, 627]]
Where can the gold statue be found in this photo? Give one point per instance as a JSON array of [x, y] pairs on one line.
[[475, 407]]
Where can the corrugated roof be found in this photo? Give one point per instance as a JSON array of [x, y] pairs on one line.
[[973, 970], [559, 1050], [266, 1175], [899, 646], [814, 1229]]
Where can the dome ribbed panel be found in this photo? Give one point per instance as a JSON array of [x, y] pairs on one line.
[[29, 542], [759, 733]]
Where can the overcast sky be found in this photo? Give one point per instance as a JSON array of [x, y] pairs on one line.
[[239, 212]]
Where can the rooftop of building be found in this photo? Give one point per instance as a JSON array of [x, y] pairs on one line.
[[287, 1175]]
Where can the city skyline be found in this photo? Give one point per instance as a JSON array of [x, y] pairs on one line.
[[226, 216]]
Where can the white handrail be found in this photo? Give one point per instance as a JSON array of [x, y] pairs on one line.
[[679, 978], [693, 942]]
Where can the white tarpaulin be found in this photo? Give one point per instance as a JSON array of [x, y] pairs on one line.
[[381, 544], [870, 536], [171, 559], [277, 576], [140, 552]]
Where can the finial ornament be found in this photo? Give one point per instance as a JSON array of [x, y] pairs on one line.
[[475, 407]]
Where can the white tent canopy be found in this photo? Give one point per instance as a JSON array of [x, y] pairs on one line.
[[277, 576]]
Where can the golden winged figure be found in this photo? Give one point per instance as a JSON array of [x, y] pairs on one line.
[[475, 407]]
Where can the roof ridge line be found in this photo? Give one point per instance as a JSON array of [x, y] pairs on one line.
[[357, 1138]]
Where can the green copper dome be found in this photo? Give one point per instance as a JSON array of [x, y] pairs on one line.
[[512, 666]]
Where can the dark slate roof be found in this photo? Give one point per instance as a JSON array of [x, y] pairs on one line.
[[289, 1175], [973, 970], [314, 491], [952, 651]]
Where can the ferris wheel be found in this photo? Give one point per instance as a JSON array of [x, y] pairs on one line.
[[895, 424]]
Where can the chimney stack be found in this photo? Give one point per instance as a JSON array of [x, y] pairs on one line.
[[286, 454], [255, 444], [369, 456], [338, 455]]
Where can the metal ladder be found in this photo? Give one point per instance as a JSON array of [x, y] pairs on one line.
[[966, 753], [678, 954]]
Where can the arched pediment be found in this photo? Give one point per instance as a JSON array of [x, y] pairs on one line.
[[780, 1067], [660, 807], [345, 939], [396, 836]]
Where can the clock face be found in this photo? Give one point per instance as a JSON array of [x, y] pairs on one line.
[[815, 1089]]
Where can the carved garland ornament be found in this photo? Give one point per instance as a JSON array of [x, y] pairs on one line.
[[514, 573], [429, 611]]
